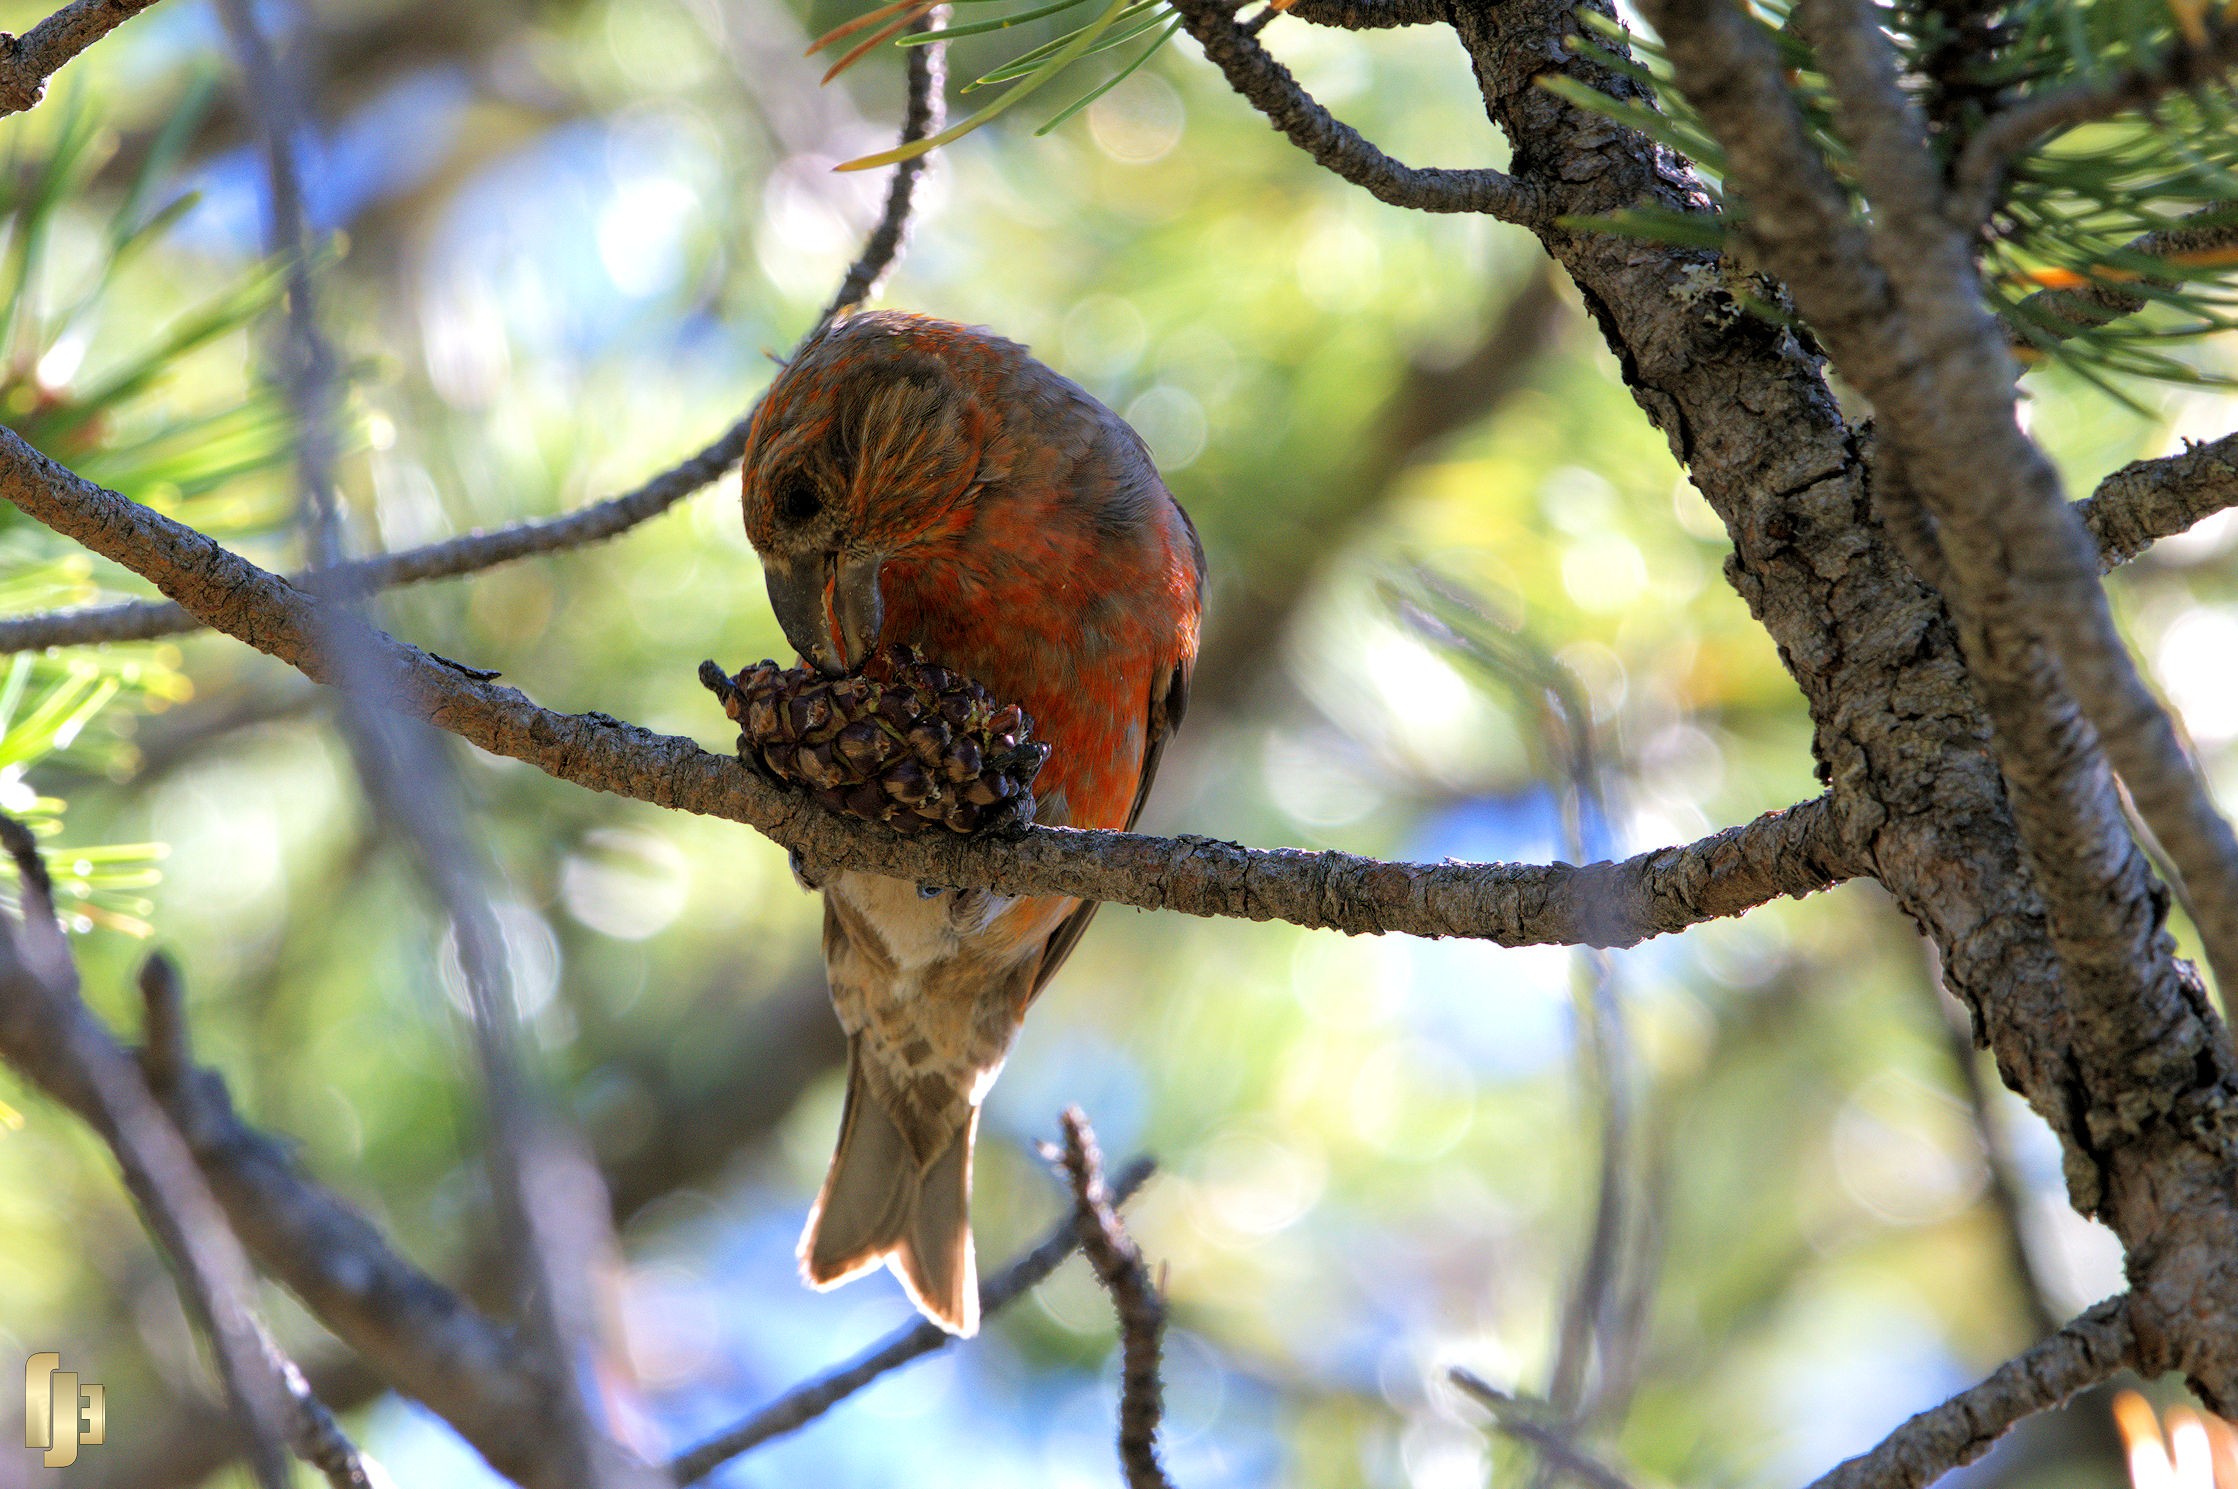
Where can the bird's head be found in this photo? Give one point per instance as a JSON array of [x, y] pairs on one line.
[[868, 444]]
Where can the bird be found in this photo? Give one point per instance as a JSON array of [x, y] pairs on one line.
[[913, 481]]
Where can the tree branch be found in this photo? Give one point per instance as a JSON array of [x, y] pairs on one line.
[[1789, 853], [1963, 1428], [317, 1438], [1271, 89], [144, 620], [2152, 499], [48, 1033], [758, 1063], [551, 1213], [2006, 135], [804, 1403], [1905, 323], [1119, 1267], [2022, 563], [921, 116], [1902, 737], [2006, 1193], [421, 1338], [27, 61], [1370, 15], [2109, 294]]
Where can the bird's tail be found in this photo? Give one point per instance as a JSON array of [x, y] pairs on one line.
[[880, 1204]]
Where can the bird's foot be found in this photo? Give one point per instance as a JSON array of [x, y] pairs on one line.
[[808, 876]]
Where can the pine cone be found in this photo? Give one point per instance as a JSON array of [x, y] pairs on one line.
[[904, 741]]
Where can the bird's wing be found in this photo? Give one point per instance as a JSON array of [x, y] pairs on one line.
[[1167, 704]]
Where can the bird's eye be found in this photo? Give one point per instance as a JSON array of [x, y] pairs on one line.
[[798, 501]]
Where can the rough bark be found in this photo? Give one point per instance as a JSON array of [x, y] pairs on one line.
[[1900, 736]]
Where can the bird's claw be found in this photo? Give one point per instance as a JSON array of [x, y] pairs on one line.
[[806, 875]]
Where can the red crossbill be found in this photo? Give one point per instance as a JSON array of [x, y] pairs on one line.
[[911, 480]]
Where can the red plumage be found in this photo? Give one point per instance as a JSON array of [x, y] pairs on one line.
[[912, 480]]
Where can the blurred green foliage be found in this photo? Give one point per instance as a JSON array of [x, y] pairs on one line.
[[565, 235]]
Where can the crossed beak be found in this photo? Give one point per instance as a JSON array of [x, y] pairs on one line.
[[829, 606]]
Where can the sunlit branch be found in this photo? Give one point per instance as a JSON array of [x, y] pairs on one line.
[[1789, 853], [1966, 1426], [27, 61], [803, 1404], [2153, 499]]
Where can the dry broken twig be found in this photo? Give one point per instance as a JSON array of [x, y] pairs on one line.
[[1119, 1267]]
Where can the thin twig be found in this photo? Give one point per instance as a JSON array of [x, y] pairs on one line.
[[1951, 1435], [48, 1034], [1511, 1418], [1270, 88], [2008, 134], [314, 1434], [27, 61], [1582, 1360], [1551, 698], [2112, 292], [1118, 1265], [471, 553], [921, 116], [810, 1400]]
